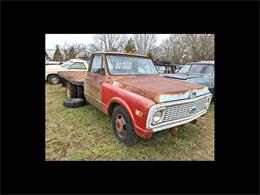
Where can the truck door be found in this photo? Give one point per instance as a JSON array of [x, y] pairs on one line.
[[93, 82]]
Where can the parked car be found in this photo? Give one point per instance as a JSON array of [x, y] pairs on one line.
[[179, 66], [202, 72], [165, 67], [52, 76], [140, 101]]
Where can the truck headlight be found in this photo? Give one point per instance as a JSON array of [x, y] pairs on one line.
[[158, 115]]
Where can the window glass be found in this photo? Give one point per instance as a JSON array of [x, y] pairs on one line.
[[77, 65], [201, 69], [185, 69], [160, 69], [96, 64], [124, 65], [66, 64]]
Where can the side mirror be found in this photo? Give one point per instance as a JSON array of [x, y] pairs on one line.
[[101, 71]]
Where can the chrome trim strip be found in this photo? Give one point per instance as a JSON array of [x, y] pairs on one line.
[[169, 124]]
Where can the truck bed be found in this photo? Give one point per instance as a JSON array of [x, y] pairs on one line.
[[75, 77]]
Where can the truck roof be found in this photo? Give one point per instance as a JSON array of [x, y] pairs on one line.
[[120, 53]]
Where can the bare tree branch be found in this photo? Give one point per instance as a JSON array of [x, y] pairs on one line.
[[144, 42], [111, 42]]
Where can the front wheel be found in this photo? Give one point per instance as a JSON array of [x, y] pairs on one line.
[[122, 126]]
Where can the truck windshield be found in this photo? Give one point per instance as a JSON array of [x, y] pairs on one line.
[[125, 65], [197, 69], [201, 69], [66, 64], [185, 69]]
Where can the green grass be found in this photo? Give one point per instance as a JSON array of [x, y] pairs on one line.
[[85, 134]]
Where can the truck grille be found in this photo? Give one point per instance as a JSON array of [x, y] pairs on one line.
[[184, 110]]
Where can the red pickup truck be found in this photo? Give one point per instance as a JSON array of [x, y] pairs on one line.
[[140, 101]]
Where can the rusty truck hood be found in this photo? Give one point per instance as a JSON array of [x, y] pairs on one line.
[[158, 88]]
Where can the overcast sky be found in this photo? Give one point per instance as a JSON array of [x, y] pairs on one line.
[[51, 40]]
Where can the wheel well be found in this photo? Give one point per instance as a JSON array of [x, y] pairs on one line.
[[52, 75], [112, 106]]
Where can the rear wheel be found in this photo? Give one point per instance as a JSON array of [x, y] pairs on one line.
[[122, 126], [54, 79], [71, 90]]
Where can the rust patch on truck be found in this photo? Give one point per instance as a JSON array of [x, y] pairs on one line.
[[153, 86]]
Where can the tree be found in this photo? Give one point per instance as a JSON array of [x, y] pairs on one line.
[[46, 56], [150, 55], [200, 46], [57, 56], [144, 42], [111, 42], [72, 50], [206, 51], [171, 49], [92, 48], [183, 48], [130, 46], [85, 57], [157, 53]]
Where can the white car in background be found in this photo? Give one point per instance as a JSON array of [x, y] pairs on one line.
[[52, 76]]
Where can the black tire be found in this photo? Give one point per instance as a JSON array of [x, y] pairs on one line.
[[74, 103], [129, 137], [54, 79], [71, 90]]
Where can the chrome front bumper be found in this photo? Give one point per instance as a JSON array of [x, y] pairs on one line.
[[185, 104]]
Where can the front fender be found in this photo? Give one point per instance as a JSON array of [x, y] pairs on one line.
[[129, 101], [121, 102]]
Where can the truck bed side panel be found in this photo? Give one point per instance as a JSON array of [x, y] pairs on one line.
[[75, 77]]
